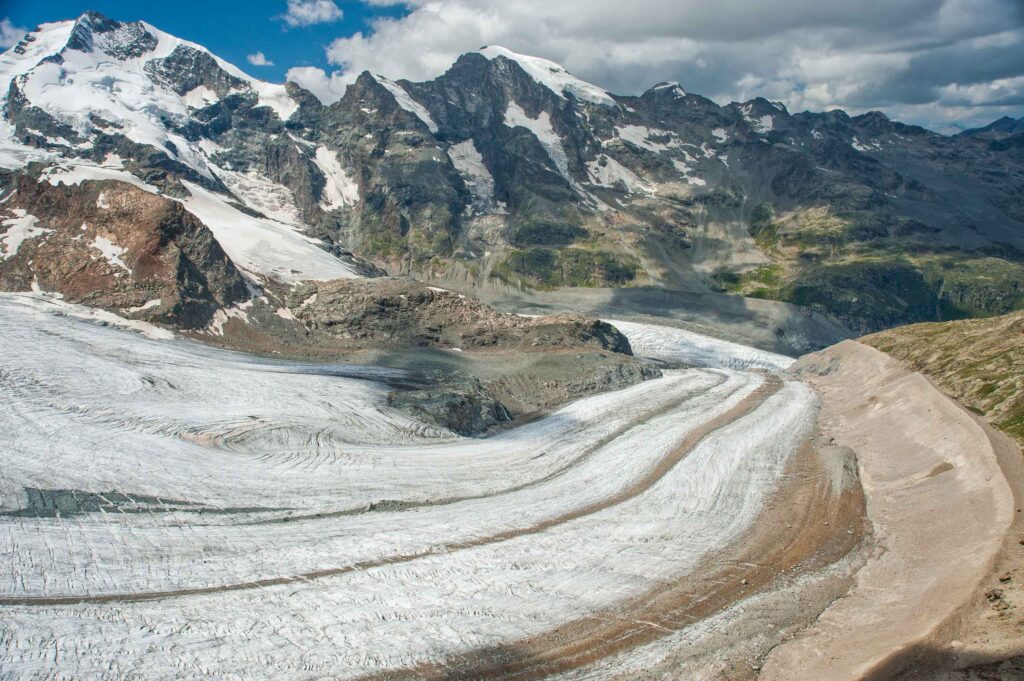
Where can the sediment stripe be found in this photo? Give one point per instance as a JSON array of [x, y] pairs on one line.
[[749, 404]]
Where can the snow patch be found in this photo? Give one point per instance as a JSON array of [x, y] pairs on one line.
[[470, 164], [339, 189], [268, 197], [863, 147], [148, 305], [20, 228], [641, 136], [677, 91], [111, 252], [406, 101], [687, 172], [553, 77], [200, 97], [605, 171], [221, 317], [544, 132], [760, 124], [264, 246], [76, 173]]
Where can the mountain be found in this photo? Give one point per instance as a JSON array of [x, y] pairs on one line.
[[1003, 127], [507, 172]]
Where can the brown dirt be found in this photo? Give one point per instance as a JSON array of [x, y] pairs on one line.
[[167, 252], [937, 534], [985, 640]]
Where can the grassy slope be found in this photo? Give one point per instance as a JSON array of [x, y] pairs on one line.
[[872, 273], [978, 361]]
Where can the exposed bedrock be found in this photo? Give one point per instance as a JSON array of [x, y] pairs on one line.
[[114, 246]]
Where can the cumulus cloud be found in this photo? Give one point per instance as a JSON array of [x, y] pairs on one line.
[[934, 61], [10, 34], [309, 12], [328, 88], [259, 59]]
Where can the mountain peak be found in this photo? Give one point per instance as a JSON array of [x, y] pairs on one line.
[[552, 75], [1002, 126], [670, 88], [97, 21], [122, 40]]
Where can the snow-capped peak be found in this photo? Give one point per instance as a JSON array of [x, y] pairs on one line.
[[672, 86], [405, 100], [126, 74], [552, 76]]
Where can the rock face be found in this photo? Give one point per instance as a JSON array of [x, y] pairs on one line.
[[464, 407], [117, 247], [506, 171], [403, 313]]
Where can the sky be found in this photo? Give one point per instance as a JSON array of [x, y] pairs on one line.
[[944, 64]]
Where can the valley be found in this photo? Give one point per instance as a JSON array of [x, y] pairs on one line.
[[303, 503], [497, 375]]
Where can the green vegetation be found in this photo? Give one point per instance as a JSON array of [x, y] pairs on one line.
[[548, 268], [764, 282], [871, 274], [537, 232], [978, 361], [763, 228], [865, 294], [975, 287]]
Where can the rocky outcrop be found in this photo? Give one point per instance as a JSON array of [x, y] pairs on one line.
[[463, 406], [114, 246], [403, 313]]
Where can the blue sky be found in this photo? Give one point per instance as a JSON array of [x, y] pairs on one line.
[[944, 64], [231, 29]]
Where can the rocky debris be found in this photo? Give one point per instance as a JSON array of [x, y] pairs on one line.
[[996, 597], [462, 405], [404, 313], [473, 368], [110, 245], [556, 378], [122, 41], [187, 68]]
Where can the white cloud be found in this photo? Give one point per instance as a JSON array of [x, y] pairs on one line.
[[259, 59], [10, 34], [309, 12], [815, 54], [327, 88]]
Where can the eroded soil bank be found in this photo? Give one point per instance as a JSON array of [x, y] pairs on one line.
[[941, 508]]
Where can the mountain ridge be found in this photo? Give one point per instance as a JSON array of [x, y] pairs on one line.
[[507, 171]]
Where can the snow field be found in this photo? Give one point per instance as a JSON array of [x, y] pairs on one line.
[[552, 76], [674, 345], [262, 245]]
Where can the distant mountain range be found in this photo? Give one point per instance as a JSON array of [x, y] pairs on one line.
[[505, 171]]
